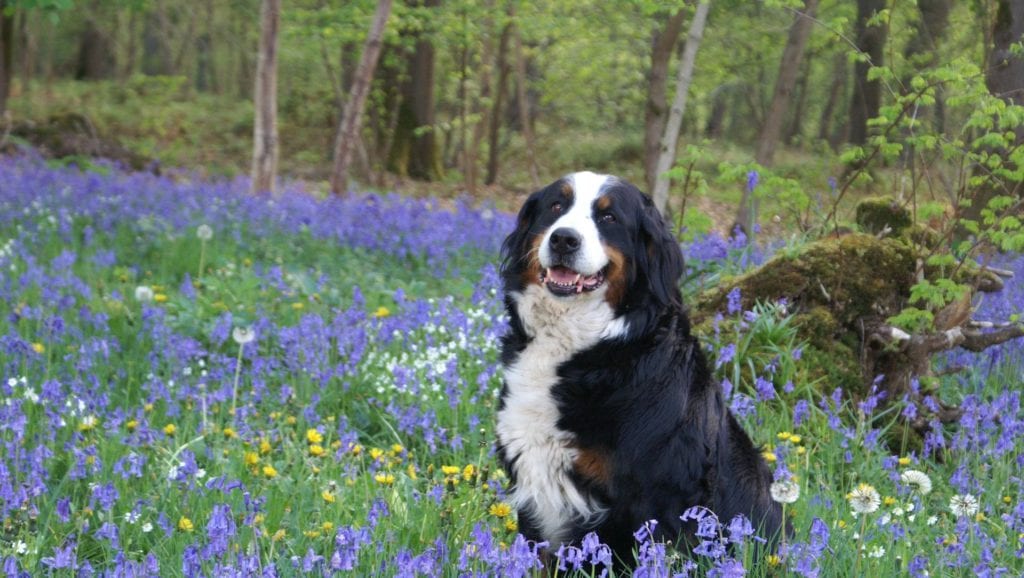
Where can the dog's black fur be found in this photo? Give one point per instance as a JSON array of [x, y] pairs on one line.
[[650, 432]]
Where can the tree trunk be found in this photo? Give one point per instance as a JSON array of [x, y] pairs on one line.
[[264, 153], [667, 154], [789, 67], [657, 102], [416, 153], [1005, 79], [348, 129], [524, 105], [835, 94], [795, 128], [771, 130], [867, 95], [498, 105], [6, 54]]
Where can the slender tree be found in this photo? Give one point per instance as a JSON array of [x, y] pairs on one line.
[[656, 111], [1004, 77], [348, 129], [6, 52], [771, 130], [264, 154], [670, 138], [867, 94], [526, 124], [415, 152], [498, 105]]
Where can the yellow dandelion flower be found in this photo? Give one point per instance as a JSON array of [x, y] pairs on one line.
[[411, 470], [888, 500], [313, 436], [381, 312], [841, 524], [316, 450], [469, 472], [801, 450], [397, 449], [185, 525], [312, 533], [265, 446], [500, 510], [384, 478], [170, 429], [376, 453], [269, 471], [511, 525], [298, 305], [38, 347], [355, 449], [160, 298], [291, 420], [327, 526], [279, 535], [315, 469], [257, 519], [1007, 499], [328, 497], [450, 470], [783, 435], [795, 439], [335, 444], [132, 424], [773, 560], [769, 456], [147, 408], [251, 459], [230, 433], [979, 517]]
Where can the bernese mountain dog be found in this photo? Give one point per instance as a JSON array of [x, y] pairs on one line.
[[609, 416]]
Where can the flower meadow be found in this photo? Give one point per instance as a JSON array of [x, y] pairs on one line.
[[200, 382]]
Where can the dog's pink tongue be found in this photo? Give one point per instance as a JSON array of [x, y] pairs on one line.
[[562, 275]]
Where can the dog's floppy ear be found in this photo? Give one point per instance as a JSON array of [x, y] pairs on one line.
[[514, 248], [663, 255]]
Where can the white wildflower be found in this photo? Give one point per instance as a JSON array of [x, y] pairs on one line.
[[243, 335], [864, 499], [963, 505], [144, 293], [917, 481], [785, 491], [204, 232]]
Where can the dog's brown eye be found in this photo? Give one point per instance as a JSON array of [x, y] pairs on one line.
[[607, 218], [556, 207]]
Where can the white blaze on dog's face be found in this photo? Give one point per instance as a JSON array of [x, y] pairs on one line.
[[571, 255]]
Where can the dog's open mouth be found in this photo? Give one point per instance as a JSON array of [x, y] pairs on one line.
[[564, 281]]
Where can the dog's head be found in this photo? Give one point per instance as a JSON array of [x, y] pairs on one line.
[[594, 235]]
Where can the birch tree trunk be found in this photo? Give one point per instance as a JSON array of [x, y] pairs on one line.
[[657, 105], [670, 139], [348, 128], [264, 141]]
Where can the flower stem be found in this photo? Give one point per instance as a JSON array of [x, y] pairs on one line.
[[234, 388], [202, 257]]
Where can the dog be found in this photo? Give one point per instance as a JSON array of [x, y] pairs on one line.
[[609, 416]]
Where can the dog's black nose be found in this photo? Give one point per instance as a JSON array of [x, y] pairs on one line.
[[565, 241]]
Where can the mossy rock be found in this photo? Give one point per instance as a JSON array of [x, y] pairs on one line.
[[833, 287], [72, 135], [853, 277], [876, 214]]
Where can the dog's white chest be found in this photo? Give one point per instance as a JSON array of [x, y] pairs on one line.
[[527, 424]]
